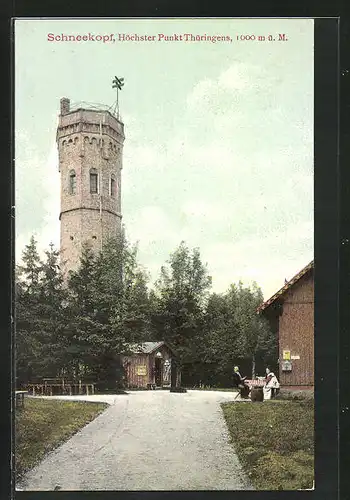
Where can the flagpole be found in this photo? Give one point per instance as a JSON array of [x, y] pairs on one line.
[[117, 83]]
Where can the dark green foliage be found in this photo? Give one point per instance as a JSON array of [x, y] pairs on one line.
[[41, 323], [110, 299], [180, 298], [78, 329], [232, 334]]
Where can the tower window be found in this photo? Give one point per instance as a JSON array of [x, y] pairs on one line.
[[72, 182], [93, 181], [72, 237], [113, 187], [94, 237]]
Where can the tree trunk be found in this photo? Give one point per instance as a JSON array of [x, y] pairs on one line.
[[253, 367]]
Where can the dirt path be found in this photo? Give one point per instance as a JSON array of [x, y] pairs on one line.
[[152, 440]]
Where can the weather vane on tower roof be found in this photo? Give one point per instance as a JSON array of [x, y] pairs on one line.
[[118, 84]]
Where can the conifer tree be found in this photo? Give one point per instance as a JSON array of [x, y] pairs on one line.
[[109, 297], [27, 322], [54, 316], [41, 316], [85, 335]]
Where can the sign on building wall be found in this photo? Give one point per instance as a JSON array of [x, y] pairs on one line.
[[286, 365], [295, 356], [141, 370], [286, 355]]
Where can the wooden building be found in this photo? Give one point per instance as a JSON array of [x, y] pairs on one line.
[[151, 365], [290, 312]]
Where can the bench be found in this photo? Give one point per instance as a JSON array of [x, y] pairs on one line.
[[65, 387], [20, 398]]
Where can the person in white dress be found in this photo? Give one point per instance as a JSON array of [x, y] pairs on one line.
[[272, 386]]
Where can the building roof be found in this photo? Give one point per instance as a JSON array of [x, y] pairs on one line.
[[145, 347], [286, 287]]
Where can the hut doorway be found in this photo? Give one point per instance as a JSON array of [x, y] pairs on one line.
[[149, 365], [158, 372]]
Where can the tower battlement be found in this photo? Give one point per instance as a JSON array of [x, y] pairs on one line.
[[90, 149]]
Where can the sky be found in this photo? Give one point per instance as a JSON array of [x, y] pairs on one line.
[[219, 137]]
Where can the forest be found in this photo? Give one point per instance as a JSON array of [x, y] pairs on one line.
[[79, 326]]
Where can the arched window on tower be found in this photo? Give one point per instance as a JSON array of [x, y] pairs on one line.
[[113, 186], [93, 181], [72, 182]]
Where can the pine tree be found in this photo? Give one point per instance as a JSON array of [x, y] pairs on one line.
[[54, 316], [84, 341], [27, 324], [42, 322], [29, 272], [109, 297]]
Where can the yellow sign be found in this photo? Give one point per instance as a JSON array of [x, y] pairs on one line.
[[141, 370], [286, 355]]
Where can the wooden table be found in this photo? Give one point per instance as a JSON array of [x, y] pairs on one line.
[[20, 398], [255, 383]]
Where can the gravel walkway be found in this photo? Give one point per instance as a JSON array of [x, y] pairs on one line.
[[151, 440]]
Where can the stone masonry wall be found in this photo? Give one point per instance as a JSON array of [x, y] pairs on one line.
[[88, 140]]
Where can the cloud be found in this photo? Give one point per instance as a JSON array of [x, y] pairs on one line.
[[239, 77], [236, 83], [268, 261], [203, 90], [199, 209], [51, 227], [152, 227], [36, 195], [231, 175], [245, 201]]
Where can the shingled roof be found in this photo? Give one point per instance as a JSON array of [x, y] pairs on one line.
[[145, 347], [286, 287]]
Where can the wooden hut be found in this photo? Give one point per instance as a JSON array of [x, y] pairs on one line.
[[290, 312], [151, 365]]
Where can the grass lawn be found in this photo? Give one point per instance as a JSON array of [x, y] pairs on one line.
[[42, 425], [274, 441]]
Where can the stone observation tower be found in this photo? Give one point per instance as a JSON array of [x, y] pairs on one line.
[[90, 149]]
